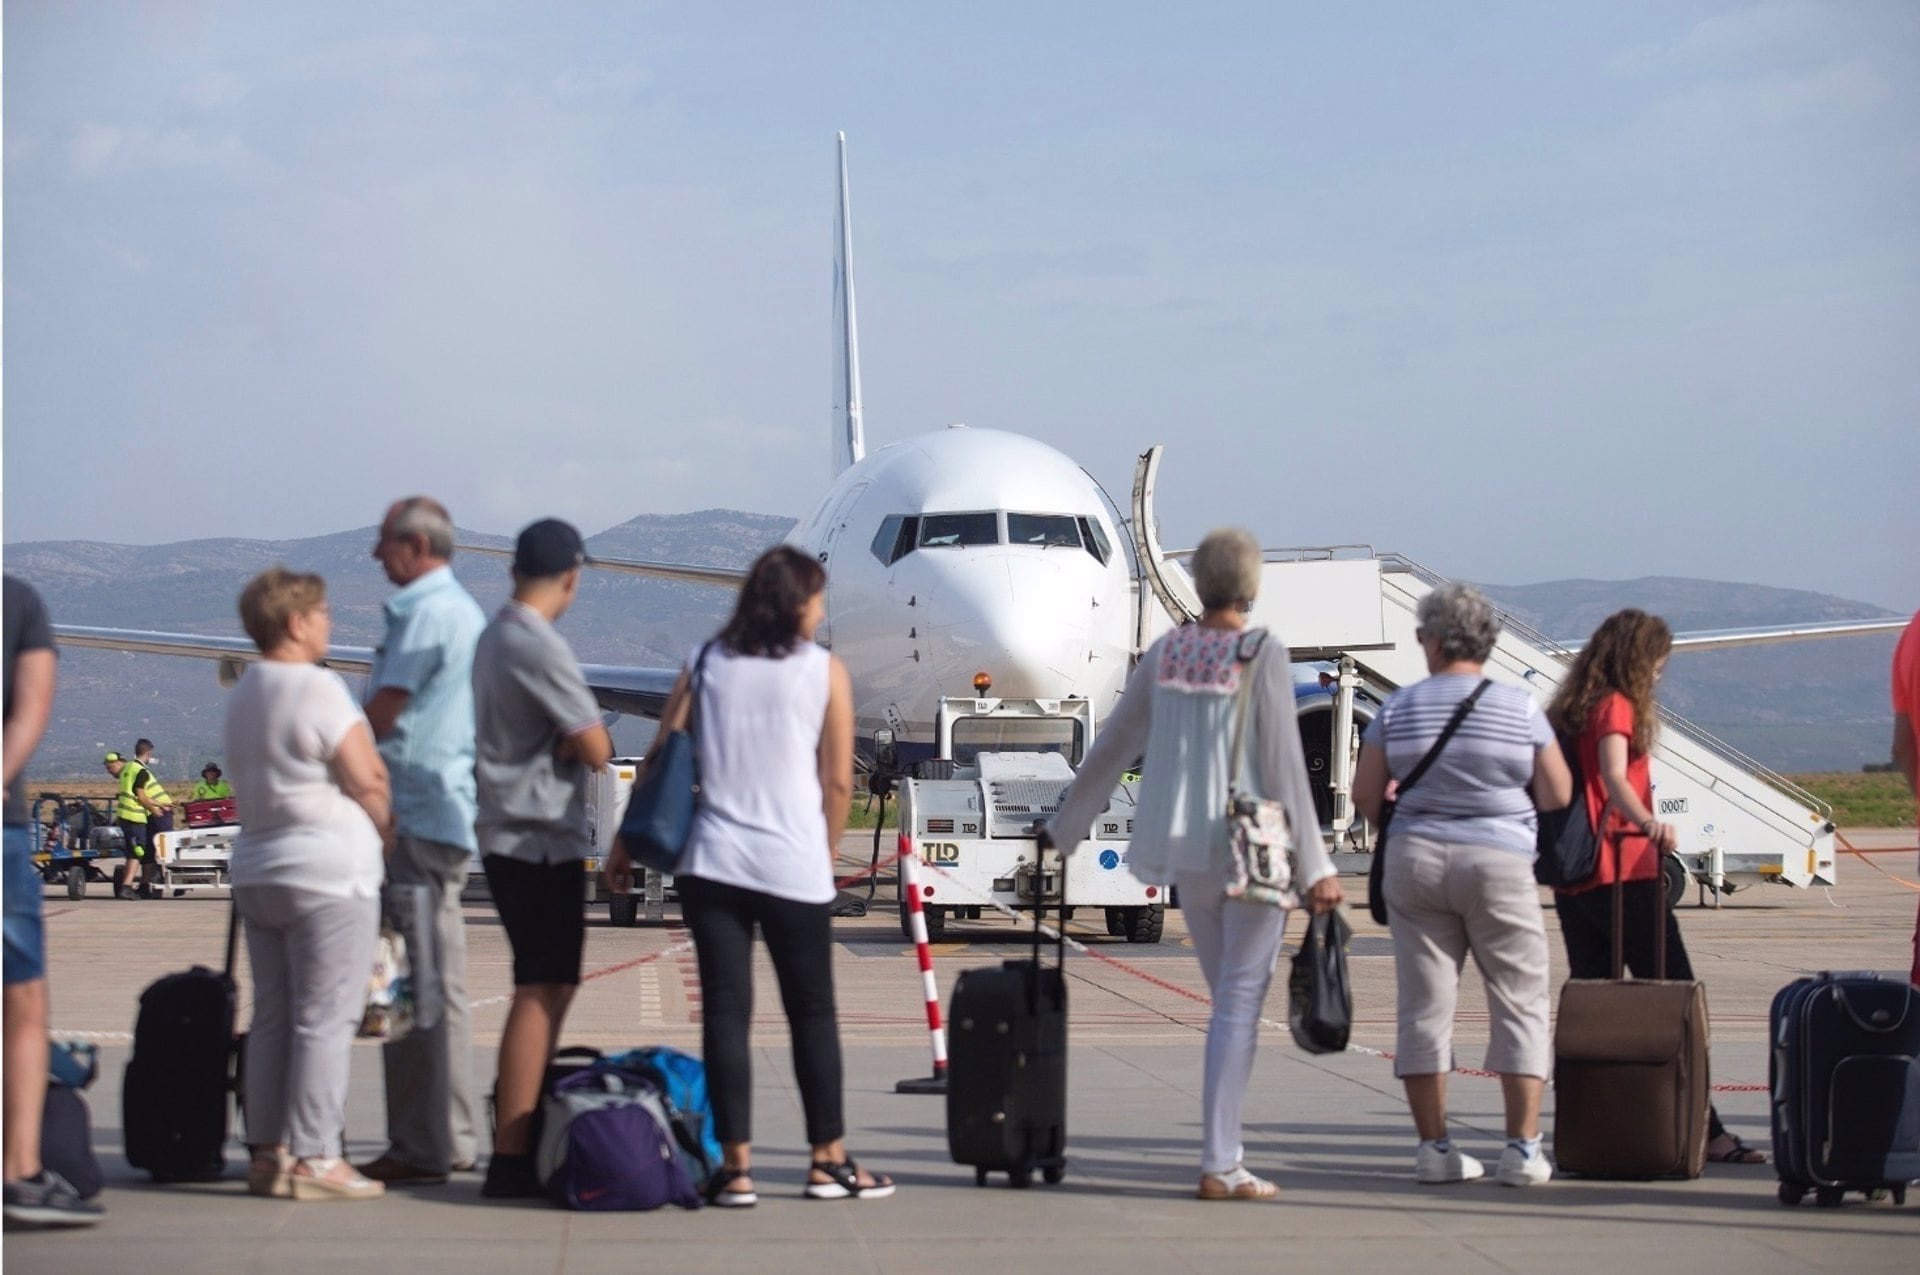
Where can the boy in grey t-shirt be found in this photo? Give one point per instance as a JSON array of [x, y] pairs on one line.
[[537, 732]]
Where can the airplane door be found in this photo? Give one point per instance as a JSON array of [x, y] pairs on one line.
[[832, 529]]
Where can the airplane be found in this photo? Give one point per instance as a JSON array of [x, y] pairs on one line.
[[954, 555]]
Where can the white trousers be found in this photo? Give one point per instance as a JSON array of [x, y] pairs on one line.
[[1237, 943]]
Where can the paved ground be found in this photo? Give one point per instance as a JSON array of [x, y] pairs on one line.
[[1333, 1131]]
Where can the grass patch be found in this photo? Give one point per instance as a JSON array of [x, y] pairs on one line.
[[863, 816], [1862, 800]]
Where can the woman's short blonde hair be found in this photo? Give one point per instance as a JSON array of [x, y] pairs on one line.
[[272, 598], [1226, 569], [1461, 620]]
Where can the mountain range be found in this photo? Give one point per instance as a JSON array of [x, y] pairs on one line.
[[1809, 706]]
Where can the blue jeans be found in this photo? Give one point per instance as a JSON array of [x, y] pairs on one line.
[[26, 936]]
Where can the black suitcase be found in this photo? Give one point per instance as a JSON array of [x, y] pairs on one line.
[[1007, 1069], [173, 1103], [1845, 1079]]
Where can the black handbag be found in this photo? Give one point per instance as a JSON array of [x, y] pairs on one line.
[[1566, 844], [1377, 869], [659, 815], [1319, 993]]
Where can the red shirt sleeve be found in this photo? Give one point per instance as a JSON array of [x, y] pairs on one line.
[[1906, 672]]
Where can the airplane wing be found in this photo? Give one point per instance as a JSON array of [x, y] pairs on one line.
[[619, 688], [1725, 639], [725, 577]]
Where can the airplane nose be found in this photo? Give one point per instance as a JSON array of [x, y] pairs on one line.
[[1019, 618]]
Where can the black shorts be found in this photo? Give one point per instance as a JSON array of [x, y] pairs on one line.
[[543, 908]]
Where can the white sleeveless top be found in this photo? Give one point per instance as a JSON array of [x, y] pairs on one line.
[[759, 825]]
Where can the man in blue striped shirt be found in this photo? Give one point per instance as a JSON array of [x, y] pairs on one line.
[[421, 710]]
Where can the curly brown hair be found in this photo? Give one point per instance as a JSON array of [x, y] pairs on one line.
[[1623, 655]]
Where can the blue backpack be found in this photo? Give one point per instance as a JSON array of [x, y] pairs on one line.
[[682, 1081], [608, 1144]]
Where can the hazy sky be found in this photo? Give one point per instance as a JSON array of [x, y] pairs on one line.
[[1523, 291]]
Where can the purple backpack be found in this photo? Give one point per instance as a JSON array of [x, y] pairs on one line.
[[608, 1145]]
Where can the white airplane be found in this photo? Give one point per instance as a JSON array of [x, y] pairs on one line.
[[953, 554]]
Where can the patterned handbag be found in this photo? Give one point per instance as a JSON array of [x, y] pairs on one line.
[[389, 1012], [1258, 834]]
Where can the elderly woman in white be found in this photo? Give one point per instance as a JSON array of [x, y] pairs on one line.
[[1178, 712]]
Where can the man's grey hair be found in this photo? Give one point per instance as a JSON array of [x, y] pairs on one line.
[[1461, 620], [1226, 568], [427, 517]]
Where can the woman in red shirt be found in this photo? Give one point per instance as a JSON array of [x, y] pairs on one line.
[[1606, 707]]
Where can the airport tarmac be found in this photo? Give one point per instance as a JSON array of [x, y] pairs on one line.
[[1333, 1131]]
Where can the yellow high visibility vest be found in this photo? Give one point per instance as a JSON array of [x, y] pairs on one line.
[[125, 805]]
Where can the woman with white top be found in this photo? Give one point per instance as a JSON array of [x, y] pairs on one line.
[[773, 731], [1179, 711], [314, 807]]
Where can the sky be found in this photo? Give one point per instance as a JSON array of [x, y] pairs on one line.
[[1522, 291]]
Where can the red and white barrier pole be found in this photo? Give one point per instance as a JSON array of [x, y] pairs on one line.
[[917, 924]]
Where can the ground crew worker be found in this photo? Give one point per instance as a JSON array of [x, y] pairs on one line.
[[133, 813], [211, 787], [143, 753]]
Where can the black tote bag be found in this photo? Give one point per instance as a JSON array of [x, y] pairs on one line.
[[1319, 993]]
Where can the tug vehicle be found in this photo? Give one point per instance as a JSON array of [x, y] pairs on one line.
[[968, 814]]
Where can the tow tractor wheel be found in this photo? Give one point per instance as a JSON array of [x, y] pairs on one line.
[[77, 882], [906, 919], [1116, 921], [623, 909], [1677, 878], [936, 922], [1145, 925]]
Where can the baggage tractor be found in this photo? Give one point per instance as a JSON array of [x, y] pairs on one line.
[[1630, 1068], [174, 1096], [1844, 1073], [1007, 1068]]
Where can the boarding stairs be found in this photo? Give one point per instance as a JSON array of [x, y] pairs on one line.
[[1739, 822]]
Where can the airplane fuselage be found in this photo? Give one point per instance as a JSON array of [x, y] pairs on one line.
[[966, 551]]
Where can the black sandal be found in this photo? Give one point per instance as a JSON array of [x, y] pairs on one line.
[[719, 1192], [846, 1183]]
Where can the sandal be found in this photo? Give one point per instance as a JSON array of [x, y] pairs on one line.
[[1739, 1153], [720, 1193], [1235, 1184], [846, 1183]]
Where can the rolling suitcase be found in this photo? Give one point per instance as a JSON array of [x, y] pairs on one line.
[[1844, 1074], [1630, 1068], [1007, 1068], [174, 1096]]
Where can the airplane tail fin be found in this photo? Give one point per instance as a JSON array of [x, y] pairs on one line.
[[849, 434]]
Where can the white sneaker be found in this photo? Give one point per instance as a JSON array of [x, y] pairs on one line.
[[1432, 1165], [1522, 1170]]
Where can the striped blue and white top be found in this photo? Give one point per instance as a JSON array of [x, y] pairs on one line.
[[1476, 790]]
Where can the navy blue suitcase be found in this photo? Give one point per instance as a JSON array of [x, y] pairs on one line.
[[1845, 1079]]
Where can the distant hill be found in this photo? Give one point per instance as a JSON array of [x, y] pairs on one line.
[[1813, 706]]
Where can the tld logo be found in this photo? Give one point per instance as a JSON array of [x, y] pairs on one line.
[[940, 853]]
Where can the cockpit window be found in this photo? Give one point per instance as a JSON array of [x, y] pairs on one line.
[[950, 530], [1096, 540], [1046, 530], [896, 537]]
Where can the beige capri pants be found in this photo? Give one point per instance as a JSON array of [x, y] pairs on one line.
[[1447, 899]]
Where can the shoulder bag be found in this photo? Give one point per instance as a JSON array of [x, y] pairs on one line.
[[659, 815], [1377, 870], [1566, 845], [1261, 841]]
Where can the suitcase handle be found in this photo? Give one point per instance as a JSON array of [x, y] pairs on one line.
[[1620, 909], [1042, 843]]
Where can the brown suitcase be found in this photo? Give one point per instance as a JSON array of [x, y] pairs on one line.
[[1630, 1069]]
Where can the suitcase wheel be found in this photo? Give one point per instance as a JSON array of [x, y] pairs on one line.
[[1829, 1197], [1052, 1174], [1899, 1190], [1791, 1193], [979, 1177], [1020, 1179]]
